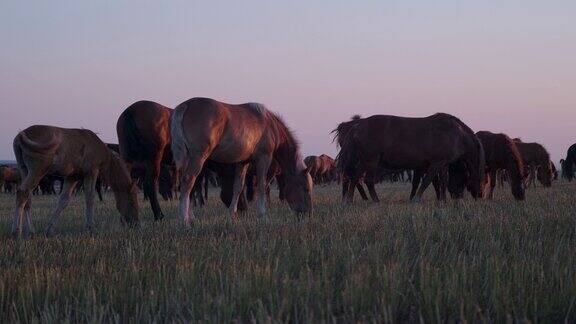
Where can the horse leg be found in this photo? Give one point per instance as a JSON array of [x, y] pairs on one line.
[[188, 175], [417, 176], [372, 190], [98, 185], [151, 186], [429, 175], [492, 178], [436, 185], [63, 200], [238, 186], [262, 166], [89, 185], [361, 191], [23, 201], [345, 184]]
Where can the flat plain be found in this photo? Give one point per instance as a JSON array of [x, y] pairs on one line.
[[474, 261]]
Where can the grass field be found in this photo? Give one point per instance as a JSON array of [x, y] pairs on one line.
[[486, 261]]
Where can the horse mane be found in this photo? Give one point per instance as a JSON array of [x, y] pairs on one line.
[[516, 155], [287, 151], [343, 129]]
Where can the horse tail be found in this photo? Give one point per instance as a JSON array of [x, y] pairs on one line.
[[129, 138], [19, 157], [347, 158], [179, 144]]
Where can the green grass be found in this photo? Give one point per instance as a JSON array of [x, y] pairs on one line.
[[485, 261]]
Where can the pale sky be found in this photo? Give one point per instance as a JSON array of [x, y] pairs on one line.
[[503, 66]]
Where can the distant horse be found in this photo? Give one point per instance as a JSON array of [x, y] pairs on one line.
[[428, 144], [569, 163], [536, 161], [204, 129], [502, 154], [144, 138], [77, 155], [322, 168], [9, 177]]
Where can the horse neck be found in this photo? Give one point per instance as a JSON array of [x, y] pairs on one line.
[[288, 159], [118, 179], [287, 152]]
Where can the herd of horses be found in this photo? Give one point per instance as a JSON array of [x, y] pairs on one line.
[[244, 148]]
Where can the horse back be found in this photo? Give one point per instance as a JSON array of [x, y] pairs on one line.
[[232, 133]]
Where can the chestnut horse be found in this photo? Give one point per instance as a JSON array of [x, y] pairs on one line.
[[502, 154], [76, 155], [204, 129], [322, 168], [537, 160], [569, 162], [144, 138], [428, 144]]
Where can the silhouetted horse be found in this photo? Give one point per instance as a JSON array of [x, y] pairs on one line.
[[569, 162], [76, 155], [144, 138], [502, 154], [428, 144], [536, 161], [204, 129]]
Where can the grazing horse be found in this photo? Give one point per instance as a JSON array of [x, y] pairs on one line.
[[204, 129], [428, 144], [76, 155], [9, 177], [322, 168], [536, 161], [502, 154], [144, 138], [569, 162]]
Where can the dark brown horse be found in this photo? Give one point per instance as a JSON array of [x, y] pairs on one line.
[[322, 168], [569, 163], [76, 155], [428, 144], [204, 129], [536, 161], [502, 154], [144, 138]]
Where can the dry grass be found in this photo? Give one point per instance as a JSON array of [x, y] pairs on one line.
[[390, 262]]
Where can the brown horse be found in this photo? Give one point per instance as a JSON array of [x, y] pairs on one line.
[[76, 155], [322, 168], [569, 163], [502, 154], [428, 144], [9, 177], [204, 129], [536, 161], [144, 138]]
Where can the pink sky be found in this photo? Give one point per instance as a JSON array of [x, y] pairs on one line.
[[505, 67]]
